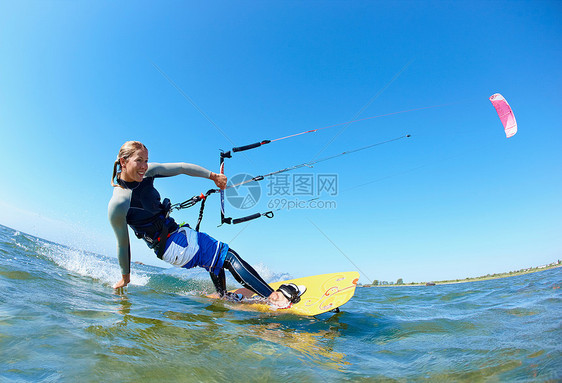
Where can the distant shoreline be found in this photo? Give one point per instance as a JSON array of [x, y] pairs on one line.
[[475, 279]]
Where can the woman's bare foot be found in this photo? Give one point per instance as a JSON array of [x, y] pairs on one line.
[[278, 299]]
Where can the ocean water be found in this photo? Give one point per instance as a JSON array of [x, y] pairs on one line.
[[60, 321]]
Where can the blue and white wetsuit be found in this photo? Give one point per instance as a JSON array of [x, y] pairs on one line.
[[138, 205]]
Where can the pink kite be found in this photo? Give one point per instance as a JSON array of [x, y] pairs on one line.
[[506, 114]]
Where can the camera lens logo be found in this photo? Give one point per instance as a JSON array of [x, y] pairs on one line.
[[244, 196]]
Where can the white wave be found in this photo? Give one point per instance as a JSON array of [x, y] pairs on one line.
[[90, 265], [187, 274], [269, 275], [14, 239], [21, 246], [204, 284], [200, 274]]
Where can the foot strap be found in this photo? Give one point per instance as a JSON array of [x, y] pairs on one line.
[[292, 292]]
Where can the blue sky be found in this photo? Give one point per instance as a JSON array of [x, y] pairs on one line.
[[455, 200]]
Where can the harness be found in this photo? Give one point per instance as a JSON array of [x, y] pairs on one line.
[[155, 230]]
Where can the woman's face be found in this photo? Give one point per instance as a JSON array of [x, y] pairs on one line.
[[134, 168]]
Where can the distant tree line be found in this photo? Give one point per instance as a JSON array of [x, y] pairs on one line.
[[376, 282], [400, 281]]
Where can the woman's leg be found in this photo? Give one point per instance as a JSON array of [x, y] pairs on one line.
[[245, 274], [220, 282]]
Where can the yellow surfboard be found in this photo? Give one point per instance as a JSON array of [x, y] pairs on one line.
[[324, 293]]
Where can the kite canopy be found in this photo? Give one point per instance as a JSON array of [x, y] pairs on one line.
[[505, 113]]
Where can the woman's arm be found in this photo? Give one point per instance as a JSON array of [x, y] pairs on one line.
[[117, 213], [174, 169]]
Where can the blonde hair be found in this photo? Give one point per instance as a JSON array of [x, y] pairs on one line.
[[127, 150]]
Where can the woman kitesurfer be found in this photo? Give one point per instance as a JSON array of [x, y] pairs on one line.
[[135, 202]]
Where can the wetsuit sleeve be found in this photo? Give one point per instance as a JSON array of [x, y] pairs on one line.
[[117, 213], [174, 169]]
